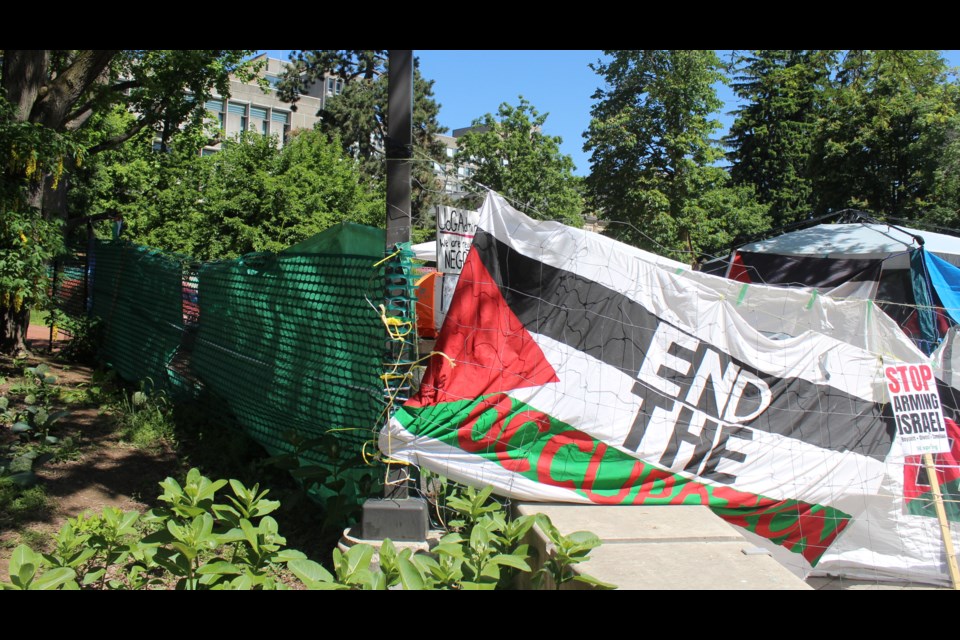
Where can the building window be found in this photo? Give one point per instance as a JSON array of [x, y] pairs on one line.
[[282, 123], [216, 107], [258, 120], [334, 86], [236, 117], [451, 152]]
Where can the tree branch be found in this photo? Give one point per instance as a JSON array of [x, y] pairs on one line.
[[88, 105], [116, 141], [51, 110]]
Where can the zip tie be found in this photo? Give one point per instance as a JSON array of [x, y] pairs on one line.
[[813, 298], [395, 253]]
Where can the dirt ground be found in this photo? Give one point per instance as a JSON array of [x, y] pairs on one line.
[[104, 472]]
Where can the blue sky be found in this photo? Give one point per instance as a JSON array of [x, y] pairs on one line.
[[469, 84]]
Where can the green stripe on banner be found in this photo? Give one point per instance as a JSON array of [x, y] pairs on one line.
[[743, 294], [540, 448], [813, 298]]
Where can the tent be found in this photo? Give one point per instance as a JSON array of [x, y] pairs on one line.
[[905, 270]]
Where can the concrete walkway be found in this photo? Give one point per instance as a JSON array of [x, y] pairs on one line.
[[666, 547]]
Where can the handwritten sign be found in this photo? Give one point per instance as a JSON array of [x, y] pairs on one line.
[[455, 231]]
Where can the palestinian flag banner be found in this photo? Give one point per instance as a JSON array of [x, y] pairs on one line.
[[584, 370]]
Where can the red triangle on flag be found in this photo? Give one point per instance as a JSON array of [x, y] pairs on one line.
[[492, 350]]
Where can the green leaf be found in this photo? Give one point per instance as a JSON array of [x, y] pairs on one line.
[[588, 579], [288, 555], [478, 586], [309, 572], [24, 577], [24, 479], [92, 576], [515, 562], [23, 555], [388, 556], [21, 427], [356, 559], [410, 576], [57, 415], [220, 567]]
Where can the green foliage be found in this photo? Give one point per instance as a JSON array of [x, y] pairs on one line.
[[358, 117], [47, 100], [201, 542], [20, 502], [783, 93], [28, 242], [329, 481], [882, 131], [34, 416], [945, 195], [193, 540], [145, 418], [86, 335], [565, 552], [25, 573], [513, 156], [653, 157], [250, 196]]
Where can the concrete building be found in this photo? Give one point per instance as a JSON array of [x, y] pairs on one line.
[[251, 108]]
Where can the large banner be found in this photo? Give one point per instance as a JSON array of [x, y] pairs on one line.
[[585, 371]]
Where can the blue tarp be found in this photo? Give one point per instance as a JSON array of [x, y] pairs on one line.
[[945, 279]]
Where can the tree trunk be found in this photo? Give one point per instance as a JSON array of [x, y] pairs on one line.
[[14, 325]]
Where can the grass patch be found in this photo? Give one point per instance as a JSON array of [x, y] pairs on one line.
[[19, 505], [39, 317], [145, 420]]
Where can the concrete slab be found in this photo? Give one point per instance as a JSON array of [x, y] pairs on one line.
[[688, 565], [615, 524], [664, 547]]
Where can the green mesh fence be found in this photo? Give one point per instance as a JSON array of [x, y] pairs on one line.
[[68, 284], [291, 342], [137, 293], [294, 347]]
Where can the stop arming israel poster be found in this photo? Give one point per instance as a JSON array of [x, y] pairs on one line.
[[916, 408]]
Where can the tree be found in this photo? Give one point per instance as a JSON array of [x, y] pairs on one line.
[[510, 153], [250, 196], [881, 136], [53, 95], [358, 116], [653, 159], [771, 139]]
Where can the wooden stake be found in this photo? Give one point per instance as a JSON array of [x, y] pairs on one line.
[[942, 517]]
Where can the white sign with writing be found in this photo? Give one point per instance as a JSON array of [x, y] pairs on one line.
[[916, 409], [455, 231]]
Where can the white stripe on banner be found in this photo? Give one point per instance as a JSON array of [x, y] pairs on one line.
[[597, 399], [681, 296]]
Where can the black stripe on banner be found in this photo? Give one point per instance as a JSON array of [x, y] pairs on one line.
[[808, 271], [620, 332]]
